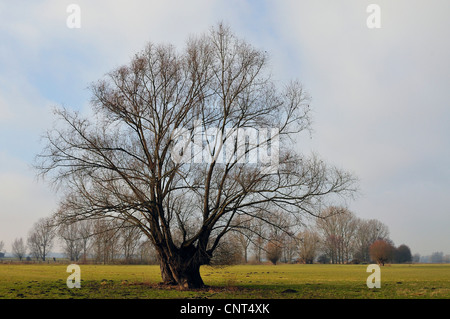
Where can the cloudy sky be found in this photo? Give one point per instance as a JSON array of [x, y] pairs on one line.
[[380, 96]]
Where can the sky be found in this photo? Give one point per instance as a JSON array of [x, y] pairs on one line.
[[380, 96]]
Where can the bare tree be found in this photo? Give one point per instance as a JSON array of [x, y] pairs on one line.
[[105, 240], [147, 252], [130, 236], [279, 229], [337, 226], [348, 227], [368, 231], [18, 248], [273, 251], [2, 245], [86, 233], [244, 233], [40, 238], [176, 127], [290, 248], [228, 252], [437, 257], [72, 240], [260, 230], [308, 246]]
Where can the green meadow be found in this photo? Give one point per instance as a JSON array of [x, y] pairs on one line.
[[48, 281]]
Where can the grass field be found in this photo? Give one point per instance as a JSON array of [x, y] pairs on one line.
[[47, 281]]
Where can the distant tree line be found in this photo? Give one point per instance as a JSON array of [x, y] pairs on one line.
[[435, 257], [100, 241], [336, 237]]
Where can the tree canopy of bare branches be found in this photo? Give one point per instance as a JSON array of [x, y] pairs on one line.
[[18, 248], [40, 238], [139, 160]]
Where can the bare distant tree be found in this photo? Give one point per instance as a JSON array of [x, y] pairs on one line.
[[166, 132], [72, 240], [338, 228], [280, 232], [244, 233], [273, 251], [85, 232], [437, 257], [147, 252], [368, 231], [99, 241], [106, 240], [416, 258], [18, 248], [40, 238], [290, 248], [130, 236], [308, 246], [260, 229], [228, 252]]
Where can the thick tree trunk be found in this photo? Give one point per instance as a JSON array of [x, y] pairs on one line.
[[183, 270], [166, 273], [188, 277]]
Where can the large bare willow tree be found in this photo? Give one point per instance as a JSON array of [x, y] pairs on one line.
[[162, 151]]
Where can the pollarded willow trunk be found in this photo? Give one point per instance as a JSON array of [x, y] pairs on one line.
[[187, 275], [166, 272], [183, 269]]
